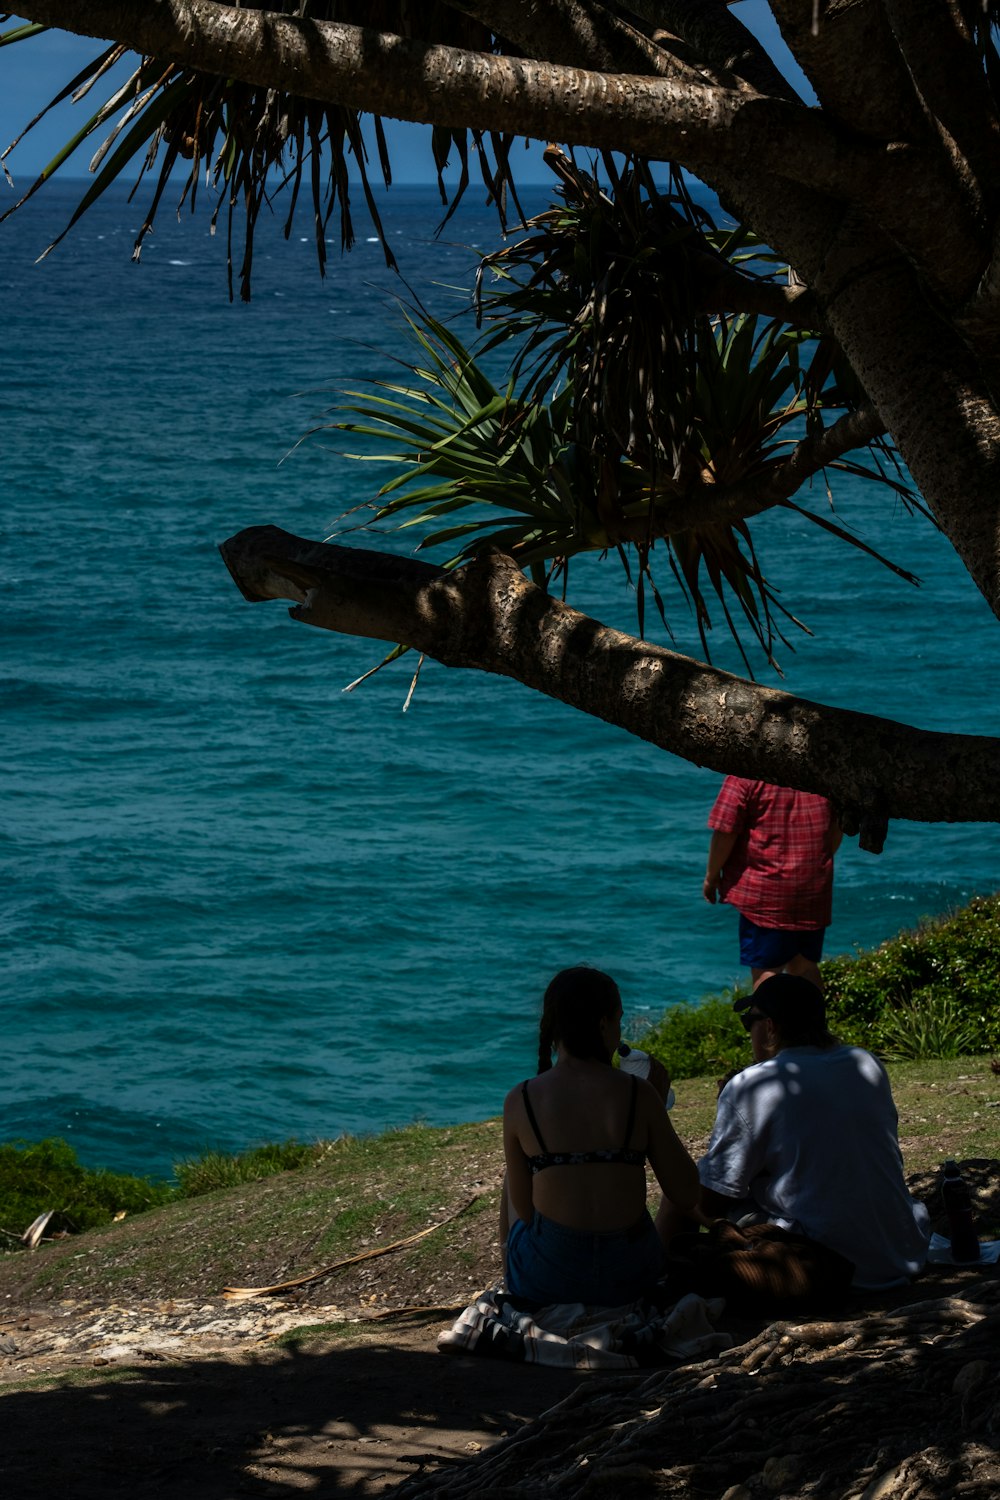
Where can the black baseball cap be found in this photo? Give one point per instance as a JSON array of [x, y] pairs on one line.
[[787, 999]]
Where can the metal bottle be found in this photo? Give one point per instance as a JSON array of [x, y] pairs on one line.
[[958, 1207]]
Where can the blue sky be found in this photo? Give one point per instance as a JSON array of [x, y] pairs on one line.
[[32, 72]]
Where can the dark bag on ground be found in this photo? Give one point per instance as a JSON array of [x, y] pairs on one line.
[[760, 1266]]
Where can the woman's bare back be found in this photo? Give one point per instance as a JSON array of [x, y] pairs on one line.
[[582, 1107]]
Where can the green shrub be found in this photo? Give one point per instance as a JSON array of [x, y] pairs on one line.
[[956, 957], [219, 1169], [36, 1176], [930, 1025], [705, 1038]]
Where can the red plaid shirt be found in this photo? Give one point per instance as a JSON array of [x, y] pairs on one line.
[[780, 873]]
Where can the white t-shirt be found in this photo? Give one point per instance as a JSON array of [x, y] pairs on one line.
[[810, 1137]]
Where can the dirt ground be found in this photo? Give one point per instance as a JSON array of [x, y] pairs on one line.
[[218, 1416], [207, 1398], [224, 1403], [336, 1386]]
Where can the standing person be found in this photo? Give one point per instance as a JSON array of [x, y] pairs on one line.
[[771, 856], [576, 1140], [806, 1138]]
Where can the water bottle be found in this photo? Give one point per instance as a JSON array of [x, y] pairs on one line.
[[958, 1207], [634, 1060]]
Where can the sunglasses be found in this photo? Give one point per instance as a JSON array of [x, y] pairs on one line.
[[750, 1017]]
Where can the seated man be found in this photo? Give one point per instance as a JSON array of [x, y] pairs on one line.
[[806, 1138]]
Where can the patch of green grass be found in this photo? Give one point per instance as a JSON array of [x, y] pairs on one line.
[[947, 1107], [70, 1379], [303, 1333], [38, 1176], [360, 1227], [220, 1169]]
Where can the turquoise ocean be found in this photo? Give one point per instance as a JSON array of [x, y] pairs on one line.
[[241, 904]]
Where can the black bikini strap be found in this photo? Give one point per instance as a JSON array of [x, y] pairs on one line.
[[534, 1123], [631, 1114]]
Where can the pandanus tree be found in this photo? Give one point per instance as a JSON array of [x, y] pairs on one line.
[[623, 395], [674, 378]]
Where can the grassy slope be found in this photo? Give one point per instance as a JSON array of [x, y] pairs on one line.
[[369, 1192]]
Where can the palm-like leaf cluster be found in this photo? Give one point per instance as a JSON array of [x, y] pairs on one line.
[[625, 401], [600, 293], [240, 134], [468, 450]]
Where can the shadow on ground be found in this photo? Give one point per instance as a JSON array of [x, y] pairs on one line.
[[352, 1420]]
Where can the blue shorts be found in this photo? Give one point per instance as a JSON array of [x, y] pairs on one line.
[[549, 1262], [771, 947]]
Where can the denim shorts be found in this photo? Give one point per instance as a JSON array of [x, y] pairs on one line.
[[770, 947], [549, 1262]]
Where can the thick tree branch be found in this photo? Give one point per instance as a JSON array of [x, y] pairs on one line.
[[948, 75], [698, 507], [714, 33], [666, 118], [928, 387], [852, 61], [406, 79], [580, 35], [722, 288], [490, 617], [855, 429]]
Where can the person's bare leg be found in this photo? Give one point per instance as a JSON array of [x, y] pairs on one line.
[[806, 967], [757, 976], [797, 965]]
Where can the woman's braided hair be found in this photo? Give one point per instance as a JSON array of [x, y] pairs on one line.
[[576, 1002]]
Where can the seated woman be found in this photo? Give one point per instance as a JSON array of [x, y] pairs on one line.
[[576, 1141]]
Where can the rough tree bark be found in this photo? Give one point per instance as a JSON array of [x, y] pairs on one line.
[[489, 616]]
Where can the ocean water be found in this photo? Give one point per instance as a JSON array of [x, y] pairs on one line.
[[241, 904]]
